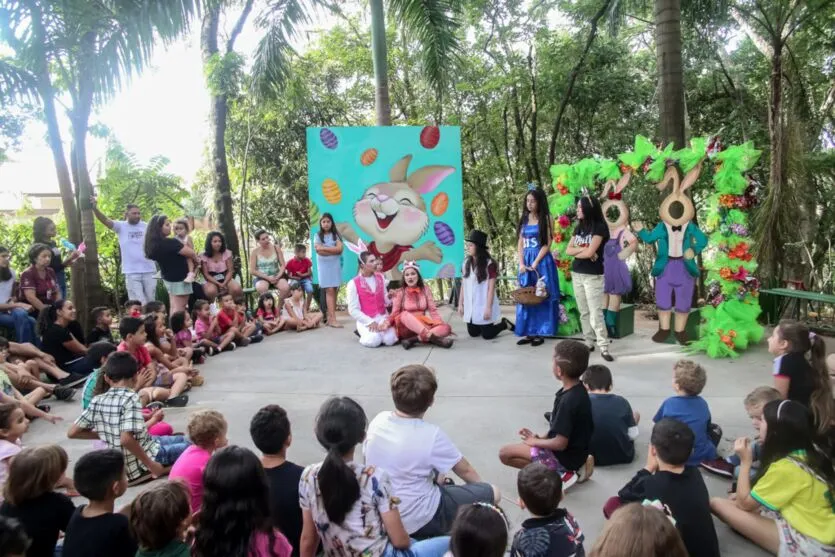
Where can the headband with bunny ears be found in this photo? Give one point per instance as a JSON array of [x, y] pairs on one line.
[[357, 248], [411, 265]]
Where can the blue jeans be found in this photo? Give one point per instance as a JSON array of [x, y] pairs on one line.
[[433, 547], [170, 448], [23, 325], [61, 276], [81, 366]]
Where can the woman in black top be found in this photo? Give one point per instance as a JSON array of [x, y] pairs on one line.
[[587, 245], [43, 230], [63, 337], [172, 257]]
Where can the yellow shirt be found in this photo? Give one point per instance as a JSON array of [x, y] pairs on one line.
[[804, 501]]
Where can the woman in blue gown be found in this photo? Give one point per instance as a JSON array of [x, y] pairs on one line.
[[535, 231]]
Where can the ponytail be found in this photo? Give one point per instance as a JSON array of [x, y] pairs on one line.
[[340, 426], [821, 402], [48, 315]]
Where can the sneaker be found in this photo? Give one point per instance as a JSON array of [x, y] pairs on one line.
[[230, 347], [63, 393], [718, 466], [177, 401], [585, 471], [189, 277], [73, 380], [568, 480], [255, 339], [606, 356]]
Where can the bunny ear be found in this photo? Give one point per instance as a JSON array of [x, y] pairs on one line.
[[671, 175], [398, 171], [426, 179], [624, 180], [357, 248], [691, 177], [606, 187]]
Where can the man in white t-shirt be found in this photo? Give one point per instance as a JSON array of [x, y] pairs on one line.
[[417, 455], [138, 269]]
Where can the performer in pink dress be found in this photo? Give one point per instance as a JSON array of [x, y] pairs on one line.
[[414, 313]]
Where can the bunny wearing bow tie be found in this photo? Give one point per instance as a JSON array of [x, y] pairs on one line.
[[678, 241]]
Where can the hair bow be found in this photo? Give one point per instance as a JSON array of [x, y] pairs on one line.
[[656, 504], [531, 186], [615, 196]]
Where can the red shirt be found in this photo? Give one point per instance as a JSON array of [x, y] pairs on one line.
[[226, 321], [46, 289], [298, 266], [142, 355]]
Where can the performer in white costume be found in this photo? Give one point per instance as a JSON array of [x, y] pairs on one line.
[[366, 301]]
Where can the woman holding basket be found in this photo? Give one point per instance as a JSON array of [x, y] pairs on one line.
[[537, 270]]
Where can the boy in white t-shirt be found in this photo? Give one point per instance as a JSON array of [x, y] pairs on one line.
[[417, 455]]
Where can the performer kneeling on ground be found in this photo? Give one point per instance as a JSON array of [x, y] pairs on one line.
[[366, 304], [414, 314], [478, 303]]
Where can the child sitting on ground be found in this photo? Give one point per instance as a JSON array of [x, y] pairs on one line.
[[248, 323], [479, 530], [159, 519], [789, 509], [800, 379], [227, 320], [270, 432], [639, 530], [540, 492], [300, 269], [565, 448], [13, 539], [352, 507], [615, 424], [267, 314], [133, 308], [134, 335], [184, 338], [414, 452], [754, 403], [235, 516], [207, 330], [101, 326], [667, 478], [295, 313], [24, 377], [687, 406], [116, 418], [95, 530], [207, 432], [181, 232], [9, 394], [171, 367], [13, 424], [31, 499]]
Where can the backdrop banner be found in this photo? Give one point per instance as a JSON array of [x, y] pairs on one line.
[[396, 190]]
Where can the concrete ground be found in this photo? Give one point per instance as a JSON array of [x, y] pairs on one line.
[[488, 390]]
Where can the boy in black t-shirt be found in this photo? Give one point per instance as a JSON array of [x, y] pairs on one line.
[[540, 491], [101, 330], [95, 530], [681, 488], [565, 448], [615, 424], [270, 431]]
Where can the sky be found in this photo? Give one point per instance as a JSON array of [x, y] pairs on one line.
[[164, 111]]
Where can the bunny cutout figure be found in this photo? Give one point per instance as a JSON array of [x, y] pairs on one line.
[[617, 281], [394, 215], [678, 241]]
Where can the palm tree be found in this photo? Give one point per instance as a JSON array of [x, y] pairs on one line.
[[89, 47]]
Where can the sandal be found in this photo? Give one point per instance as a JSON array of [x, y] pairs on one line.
[[523, 341], [537, 341], [177, 401]]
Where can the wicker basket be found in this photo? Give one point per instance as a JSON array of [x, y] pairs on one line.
[[527, 294]]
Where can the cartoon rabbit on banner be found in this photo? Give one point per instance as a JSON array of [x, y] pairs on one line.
[[679, 241], [395, 190]]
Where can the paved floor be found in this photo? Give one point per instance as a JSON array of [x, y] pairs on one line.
[[488, 391]]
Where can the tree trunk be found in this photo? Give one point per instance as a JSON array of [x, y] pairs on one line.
[[777, 147], [379, 55], [217, 147], [670, 71]]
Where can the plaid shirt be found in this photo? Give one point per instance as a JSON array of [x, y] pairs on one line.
[[113, 413]]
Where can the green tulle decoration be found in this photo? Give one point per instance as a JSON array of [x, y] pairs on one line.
[[583, 173], [609, 170], [659, 164], [689, 157], [559, 173], [636, 158]]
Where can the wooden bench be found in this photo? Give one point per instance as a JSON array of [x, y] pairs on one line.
[[801, 305]]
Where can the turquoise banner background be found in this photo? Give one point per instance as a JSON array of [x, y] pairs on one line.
[[350, 176]]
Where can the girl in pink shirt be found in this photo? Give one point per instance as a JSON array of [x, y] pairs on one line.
[[235, 516], [207, 431]]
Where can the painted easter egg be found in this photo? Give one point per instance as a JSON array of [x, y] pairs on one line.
[[440, 204], [331, 191], [444, 233], [429, 136], [447, 271], [328, 138], [313, 213], [368, 157]]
